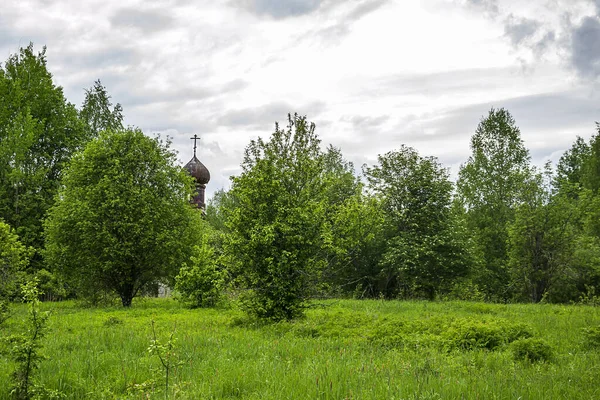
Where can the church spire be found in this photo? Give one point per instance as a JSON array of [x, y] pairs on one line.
[[200, 174]]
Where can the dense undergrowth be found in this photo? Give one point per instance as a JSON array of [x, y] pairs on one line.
[[342, 349]]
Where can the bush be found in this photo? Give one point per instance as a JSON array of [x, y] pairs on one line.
[[531, 349], [592, 337], [14, 257], [201, 283], [49, 284], [464, 289], [468, 334]]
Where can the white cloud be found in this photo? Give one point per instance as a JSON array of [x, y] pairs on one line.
[[373, 74]]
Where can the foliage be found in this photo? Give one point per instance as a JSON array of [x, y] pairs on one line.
[[25, 348], [531, 349], [39, 132], [122, 219], [591, 166], [542, 238], [357, 243], [216, 209], [489, 186], [470, 334], [591, 336], [577, 174], [14, 257], [464, 289], [166, 354], [200, 281], [571, 168], [424, 249], [96, 111], [277, 223], [50, 284]]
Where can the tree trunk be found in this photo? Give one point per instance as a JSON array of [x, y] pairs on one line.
[[127, 292], [126, 300]]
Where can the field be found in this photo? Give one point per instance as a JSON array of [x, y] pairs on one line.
[[343, 349]]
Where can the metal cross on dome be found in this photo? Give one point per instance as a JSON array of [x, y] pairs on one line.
[[195, 138]]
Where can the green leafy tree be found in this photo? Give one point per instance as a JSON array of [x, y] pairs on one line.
[[342, 192], [39, 132], [542, 239], [14, 257], [489, 186], [216, 209], [424, 252], [98, 112], [358, 241], [277, 222], [591, 168], [122, 219], [201, 281], [578, 179], [571, 168]]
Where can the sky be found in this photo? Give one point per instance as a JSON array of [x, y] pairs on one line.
[[371, 74]]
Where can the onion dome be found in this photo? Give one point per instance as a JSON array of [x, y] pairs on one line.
[[198, 171]]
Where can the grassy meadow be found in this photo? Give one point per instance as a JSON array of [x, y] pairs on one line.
[[343, 349]]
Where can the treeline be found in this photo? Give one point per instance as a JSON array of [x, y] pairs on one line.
[[298, 222], [90, 207]]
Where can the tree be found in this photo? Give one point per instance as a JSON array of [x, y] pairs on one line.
[[201, 281], [357, 235], [578, 180], [39, 132], [96, 111], [277, 220], [122, 219], [571, 167], [542, 238], [14, 257], [424, 252], [591, 168], [489, 186]]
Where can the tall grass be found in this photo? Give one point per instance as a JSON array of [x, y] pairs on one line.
[[343, 349]]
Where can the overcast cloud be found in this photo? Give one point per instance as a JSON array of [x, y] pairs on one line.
[[372, 74]]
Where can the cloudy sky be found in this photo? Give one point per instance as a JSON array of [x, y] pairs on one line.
[[372, 74]]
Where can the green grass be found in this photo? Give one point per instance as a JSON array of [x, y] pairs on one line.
[[343, 349]]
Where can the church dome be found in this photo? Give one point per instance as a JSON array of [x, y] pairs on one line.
[[198, 171]]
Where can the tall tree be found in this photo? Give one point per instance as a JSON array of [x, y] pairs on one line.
[[98, 112], [489, 185], [591, 173], [358, 242], [571, 167], [423, 252], [39, 132], [542, 239], [278, 220], [123, 219], [579, 180]]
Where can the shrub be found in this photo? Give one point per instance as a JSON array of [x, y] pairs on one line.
[[592, 336], [464, 289], [25, 347], [469, 334], [531, 349], [49, 284], [200, 284], [14, 257]]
